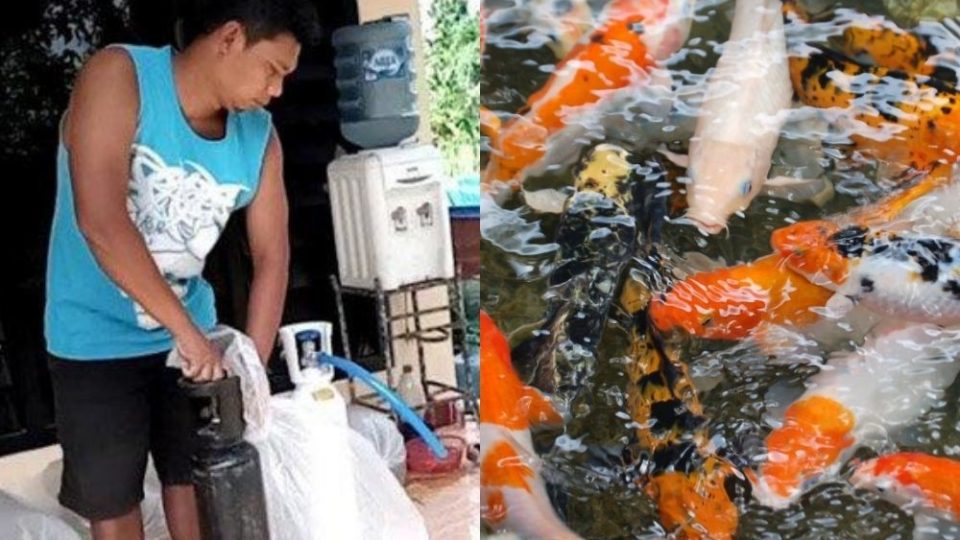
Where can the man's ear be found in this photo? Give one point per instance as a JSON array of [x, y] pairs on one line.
[[230, 36]]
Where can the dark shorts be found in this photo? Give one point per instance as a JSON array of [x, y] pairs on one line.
[[110, 414]]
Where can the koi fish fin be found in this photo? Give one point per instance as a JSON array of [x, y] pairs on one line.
[[549, 201], [783, 345], [680, 160], [494, 508], [887, 208], [838, 306], [490, 125], [541, 410], [818, 191], [931, 526]]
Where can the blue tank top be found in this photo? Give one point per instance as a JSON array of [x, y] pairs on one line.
[[183, 188]]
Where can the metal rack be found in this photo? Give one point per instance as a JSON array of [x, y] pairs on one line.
[[432, 389]]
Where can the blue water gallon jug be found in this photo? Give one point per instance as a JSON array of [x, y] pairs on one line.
[[375, 78]]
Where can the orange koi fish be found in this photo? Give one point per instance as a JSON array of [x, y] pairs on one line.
[[633, 35], [730, 303], [914, 479], [513, 494]]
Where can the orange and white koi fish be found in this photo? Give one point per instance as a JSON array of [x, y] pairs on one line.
[[565, 22], [927, 485], [909, 276], [731, 303], [513, 494], [738, 125], [900, 372], [631, 37]]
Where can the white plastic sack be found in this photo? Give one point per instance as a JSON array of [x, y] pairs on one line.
[[383, 434], [388, 513], [17, 522], [308, 464]]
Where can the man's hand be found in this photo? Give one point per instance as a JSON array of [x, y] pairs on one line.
[[202, 360]]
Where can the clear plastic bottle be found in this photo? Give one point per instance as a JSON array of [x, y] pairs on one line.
[[409, 388]]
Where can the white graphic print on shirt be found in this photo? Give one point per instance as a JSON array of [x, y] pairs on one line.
[[180, 211]]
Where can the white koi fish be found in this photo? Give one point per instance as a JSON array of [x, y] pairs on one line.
[[870, 393], [743, 109]]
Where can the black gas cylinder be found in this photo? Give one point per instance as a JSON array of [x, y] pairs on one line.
[[226, 469]]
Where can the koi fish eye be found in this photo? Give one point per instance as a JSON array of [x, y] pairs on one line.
[[636, 27], [745, 187]]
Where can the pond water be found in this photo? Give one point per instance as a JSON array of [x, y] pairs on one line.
[[745, 384]]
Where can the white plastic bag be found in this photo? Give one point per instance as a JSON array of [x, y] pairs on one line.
[[308, 463], [383, 434], [17, 522], [388, 513]]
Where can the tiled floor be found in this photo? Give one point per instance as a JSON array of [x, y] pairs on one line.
[[450, 504]]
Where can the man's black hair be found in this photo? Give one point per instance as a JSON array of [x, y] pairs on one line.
[[261, 19]]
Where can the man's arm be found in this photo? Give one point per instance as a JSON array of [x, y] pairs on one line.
[[270, 250], [100, 127]]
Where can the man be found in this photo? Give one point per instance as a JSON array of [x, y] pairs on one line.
[[156, 150]]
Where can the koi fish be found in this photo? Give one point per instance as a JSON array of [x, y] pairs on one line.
[[512, 491], [730, 303], [692, 485], [930, 49], [901, 108], [597, 235], [912, 277], [900, 372], [890, 47], [928, 484], [697, 490], [734, 303], [739, 121], [903, 119], [631, 37]]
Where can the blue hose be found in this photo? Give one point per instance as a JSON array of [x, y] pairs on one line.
[[401, 408]]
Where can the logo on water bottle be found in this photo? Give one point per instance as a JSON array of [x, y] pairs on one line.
[[384, 63]]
